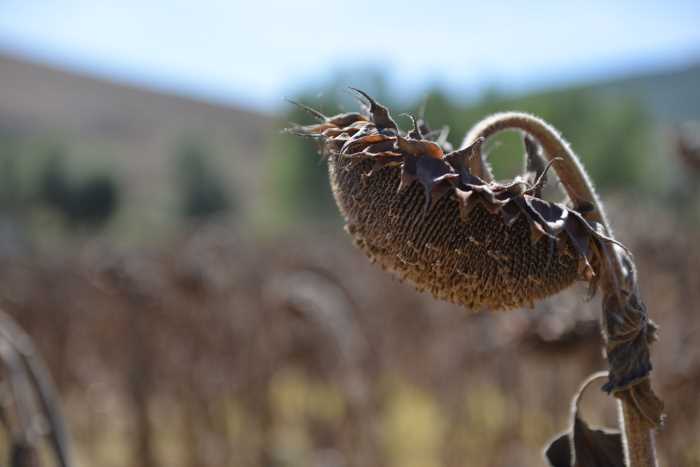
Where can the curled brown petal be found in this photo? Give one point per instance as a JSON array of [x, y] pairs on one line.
[[419, 148], [347, 119], [354, 144]]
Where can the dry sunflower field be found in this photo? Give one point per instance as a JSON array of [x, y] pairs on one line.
[[215, 349]]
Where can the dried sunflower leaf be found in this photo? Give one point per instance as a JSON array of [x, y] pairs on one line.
[[23, 453], [419, 148], [510, 213], [580, 239], [538, 226], [415, 132], [342, 132], [378, 113], [409, 171], [309, 131], [627, 341], [629, 332], [536, 231], [431, 173], [357, 144], [384, 160], [592, 448], [438, 191], [347, 119], [441, 139], [549, 214], [583, 446], [558, 452], [424, 127], [430, 170], [383, 147], [488, 198], [311, 111], [534, 165], [459, 160], [597, 447], [598, 231], [534, 161]]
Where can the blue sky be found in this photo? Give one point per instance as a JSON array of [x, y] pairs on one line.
[[256, 52]]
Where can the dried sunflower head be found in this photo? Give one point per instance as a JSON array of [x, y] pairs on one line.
[[419, 208]]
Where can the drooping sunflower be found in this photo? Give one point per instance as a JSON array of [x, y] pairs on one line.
[[437, 217], [425, 211]]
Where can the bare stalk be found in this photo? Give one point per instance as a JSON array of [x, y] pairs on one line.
[[640, 449], [639, 435]]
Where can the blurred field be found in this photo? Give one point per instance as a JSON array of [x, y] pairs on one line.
[[242, 328], [212, 350]]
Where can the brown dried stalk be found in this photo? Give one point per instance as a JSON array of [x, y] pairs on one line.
[[32, 386], [619, 281], [437, 218]]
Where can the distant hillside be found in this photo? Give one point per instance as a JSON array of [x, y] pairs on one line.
[[673, 96], [136, 132], [132, 130]]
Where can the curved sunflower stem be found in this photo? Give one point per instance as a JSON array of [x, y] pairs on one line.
[[570, 171], [617, 276]]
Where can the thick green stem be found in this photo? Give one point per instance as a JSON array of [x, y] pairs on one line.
[[639, 445]]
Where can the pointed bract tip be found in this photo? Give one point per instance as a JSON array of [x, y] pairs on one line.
[[315, 113], [416, 132], [379, 114], [531, 146], [366, 96], [542, 178]]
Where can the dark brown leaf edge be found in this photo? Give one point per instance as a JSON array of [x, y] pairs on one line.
[[583, 446]]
